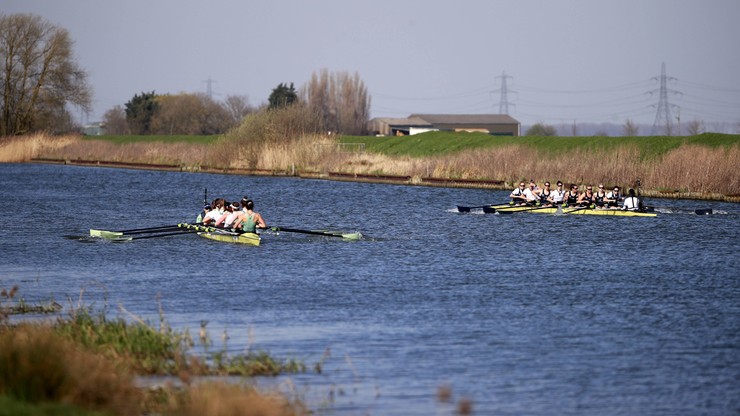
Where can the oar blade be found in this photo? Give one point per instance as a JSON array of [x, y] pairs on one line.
[[105, 234], [352, 236]]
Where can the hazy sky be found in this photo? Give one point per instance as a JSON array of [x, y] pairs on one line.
[[569, 61]]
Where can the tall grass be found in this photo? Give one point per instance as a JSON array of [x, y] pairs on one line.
[[39, 365], [687, 168], [24, 148], [273, 139], [287, 140], [89, 361]]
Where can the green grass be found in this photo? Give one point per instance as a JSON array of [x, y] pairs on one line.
[[124, 139], [443, 142], [14, 407], [164, 351]]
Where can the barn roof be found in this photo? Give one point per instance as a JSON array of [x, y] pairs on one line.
[[435, 119]]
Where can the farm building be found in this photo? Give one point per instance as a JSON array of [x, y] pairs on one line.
[[495, 124]]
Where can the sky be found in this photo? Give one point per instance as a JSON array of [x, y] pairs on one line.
[[558, 61]]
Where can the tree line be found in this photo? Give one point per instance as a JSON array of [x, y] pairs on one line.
[[42, 84]]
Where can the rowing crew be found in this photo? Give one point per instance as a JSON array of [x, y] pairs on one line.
[[546, 197], [232, 215]]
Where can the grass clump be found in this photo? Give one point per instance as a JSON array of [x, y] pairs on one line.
[[39, 365], [85, 364]]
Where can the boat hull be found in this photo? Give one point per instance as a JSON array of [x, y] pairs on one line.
[[226, 236], [251, 239], [587, 211]]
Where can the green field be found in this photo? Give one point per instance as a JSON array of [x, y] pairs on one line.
[[441, 142]]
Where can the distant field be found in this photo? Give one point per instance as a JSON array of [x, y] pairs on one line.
[[442, 142], [124, 139]]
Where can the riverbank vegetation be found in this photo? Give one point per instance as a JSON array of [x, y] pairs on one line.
[[87, 363], [287, 141]]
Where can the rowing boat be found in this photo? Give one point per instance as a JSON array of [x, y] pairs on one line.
[[219, 234], [580, 211]]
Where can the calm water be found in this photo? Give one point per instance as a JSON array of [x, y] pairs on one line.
[[521, 314]]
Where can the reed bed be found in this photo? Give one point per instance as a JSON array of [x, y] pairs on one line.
[[266, 141], [88, 362], [39, 365]]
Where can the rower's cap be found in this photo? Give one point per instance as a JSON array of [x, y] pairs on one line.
[[207, 207]]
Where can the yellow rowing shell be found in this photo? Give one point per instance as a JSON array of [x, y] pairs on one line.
[[582, 211], [252, 239], [217, 234]]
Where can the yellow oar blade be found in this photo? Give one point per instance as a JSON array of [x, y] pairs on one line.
[[105, 234]]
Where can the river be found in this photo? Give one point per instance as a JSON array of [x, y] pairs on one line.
[[519, 314]]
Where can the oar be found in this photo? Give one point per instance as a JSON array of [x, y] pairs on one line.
[[514, 211], [99, 233], [572, 210], [486, 208], [346, 236], [125, 238]]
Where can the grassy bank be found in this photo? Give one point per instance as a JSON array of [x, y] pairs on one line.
[[86, 364], [440, 143], [701, 166]]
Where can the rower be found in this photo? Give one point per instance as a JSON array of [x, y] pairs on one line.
[[531, 194], [631, 203], [203, 214], [557, 195], [571, 197], [544, 194], [612, 198], [517, 195], [215, 213], [600, 196], [587, 197], [248, 220], [227, 218]]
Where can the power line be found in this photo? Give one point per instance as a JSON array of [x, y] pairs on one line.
[[503, 104], [663, 114], [209, 87]]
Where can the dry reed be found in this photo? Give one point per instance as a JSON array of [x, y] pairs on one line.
[[24, 148], [37, 365], [223, 399], [267, 142]]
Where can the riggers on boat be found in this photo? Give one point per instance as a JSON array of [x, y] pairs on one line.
[[220, 234]]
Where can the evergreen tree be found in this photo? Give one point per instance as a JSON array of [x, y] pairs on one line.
[[140, 111], [283, 96]]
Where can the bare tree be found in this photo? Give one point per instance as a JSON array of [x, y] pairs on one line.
[[541, 129], [630, 128], [39, 75], [176, 114], [237, 107], [340, 99], [192, 114], [115, 121], [695, 127]]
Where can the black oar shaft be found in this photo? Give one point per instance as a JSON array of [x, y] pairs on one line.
[[152, 230], [296, 230], [134, 230], [159, 235]]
